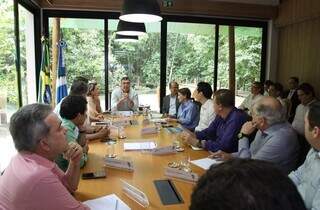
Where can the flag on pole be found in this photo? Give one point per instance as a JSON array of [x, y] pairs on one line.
[[61, 84], [44, 94]]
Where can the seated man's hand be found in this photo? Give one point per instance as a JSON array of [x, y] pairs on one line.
[[248, 127], [220, 155], [74, 153], [104, 132], [189, 138]]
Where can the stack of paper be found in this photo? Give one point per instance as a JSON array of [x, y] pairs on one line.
[[109, 202], [147, 145], [205, 163]]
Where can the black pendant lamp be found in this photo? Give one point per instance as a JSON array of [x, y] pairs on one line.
[[131, 29], [124, 38], [140, 11]]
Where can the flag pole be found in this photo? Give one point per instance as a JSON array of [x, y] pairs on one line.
[[55, 49]]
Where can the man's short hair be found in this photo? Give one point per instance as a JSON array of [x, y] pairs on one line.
[[81, 78], [224, 97], [173, 82], [79, 88], [296, 79], [73, 105], [205, 89], [242, 184], [27, 126], [272, 114], [125, 78], [307, 89], [313, 115], [185, 92]]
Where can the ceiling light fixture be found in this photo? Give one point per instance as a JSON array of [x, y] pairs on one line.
[[140, 11], [124, 38], [131, 29]]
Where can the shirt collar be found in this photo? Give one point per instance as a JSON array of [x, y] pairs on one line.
[[230, 114], [38, 159], [69, 123], [273, 128]]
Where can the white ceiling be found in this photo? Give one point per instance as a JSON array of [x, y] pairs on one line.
[[262, 2]]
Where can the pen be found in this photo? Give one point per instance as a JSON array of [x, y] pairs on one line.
[[116, 208]]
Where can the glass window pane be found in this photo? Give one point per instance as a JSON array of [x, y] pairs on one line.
[[140, 61], [190, 54], [223, 58], [8, 81], [248, 44], [84, 54], [27, 54]]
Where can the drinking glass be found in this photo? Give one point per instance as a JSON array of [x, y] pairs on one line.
[[111, 150]]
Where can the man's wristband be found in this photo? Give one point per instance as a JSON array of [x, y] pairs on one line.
[[242, 135]]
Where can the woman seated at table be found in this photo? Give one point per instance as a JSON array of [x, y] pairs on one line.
[[188, 112], [94, 108]]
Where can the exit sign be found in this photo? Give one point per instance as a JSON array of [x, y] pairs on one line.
[[167, 3]]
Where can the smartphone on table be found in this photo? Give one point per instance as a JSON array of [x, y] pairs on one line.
[[94, 175]]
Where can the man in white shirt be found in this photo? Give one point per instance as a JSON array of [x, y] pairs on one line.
[[306, 177], [307, 97], [203, 94], [253, 97], [124, 98]]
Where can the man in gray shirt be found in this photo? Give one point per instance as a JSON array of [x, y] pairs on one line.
[[275, 141]]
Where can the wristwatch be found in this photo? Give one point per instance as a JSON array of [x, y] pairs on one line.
[[242, 135]]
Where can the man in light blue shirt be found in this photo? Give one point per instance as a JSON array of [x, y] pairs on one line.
[[276, 141], [307, 176]]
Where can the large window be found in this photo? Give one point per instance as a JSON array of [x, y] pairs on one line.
[[84, 52], [248, 44], [190, 53], [140, 61]]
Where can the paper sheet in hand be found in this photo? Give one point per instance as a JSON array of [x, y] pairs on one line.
[[139, 145], [205, 163], [107, 203]]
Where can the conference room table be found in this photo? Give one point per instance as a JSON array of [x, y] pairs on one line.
[[148, 168]]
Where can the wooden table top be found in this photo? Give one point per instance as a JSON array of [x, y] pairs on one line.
[[147, 169]]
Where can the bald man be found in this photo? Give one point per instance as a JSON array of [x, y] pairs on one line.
[[276, 141]]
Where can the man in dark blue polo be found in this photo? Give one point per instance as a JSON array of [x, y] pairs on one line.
[[222, 132]]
